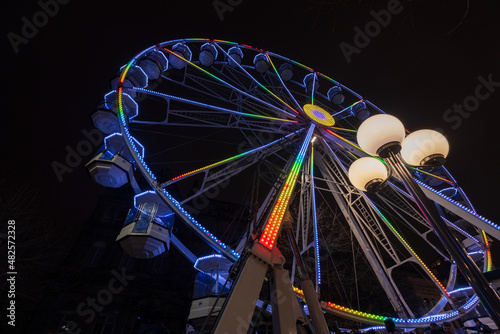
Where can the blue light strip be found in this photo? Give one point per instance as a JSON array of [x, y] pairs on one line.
[[315, 222], [119, 134], [283, 83], [312, 90], [141, 194], [199, 226], [210, 106], [211, 256], [131, 141], [478, 252], [461, 289], [489, 222], [143, 166], [463, 232]]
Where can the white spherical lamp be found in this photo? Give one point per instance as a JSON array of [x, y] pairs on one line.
[[379, 134], [368, 174], [425, 148]]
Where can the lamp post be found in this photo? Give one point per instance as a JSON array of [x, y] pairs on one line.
[[384, 136]]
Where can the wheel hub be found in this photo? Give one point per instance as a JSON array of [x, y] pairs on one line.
[[319, 115]]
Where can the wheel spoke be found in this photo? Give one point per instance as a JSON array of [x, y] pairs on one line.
[[257, 82], [229, 85], [299, 107], [227, 160], [210, 106]]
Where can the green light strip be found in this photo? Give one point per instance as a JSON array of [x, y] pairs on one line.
[[260, 85], [278, 75]]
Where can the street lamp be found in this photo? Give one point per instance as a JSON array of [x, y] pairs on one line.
[[384, 136]]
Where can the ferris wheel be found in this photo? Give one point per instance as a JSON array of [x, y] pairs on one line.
[[203, 118]]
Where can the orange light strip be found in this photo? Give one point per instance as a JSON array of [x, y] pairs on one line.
[[430, 174], [231, 158], [345, 140], [443, 288]]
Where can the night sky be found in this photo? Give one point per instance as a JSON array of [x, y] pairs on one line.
[[429, 58]]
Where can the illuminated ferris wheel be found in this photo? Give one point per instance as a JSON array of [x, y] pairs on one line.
[[248, 125]]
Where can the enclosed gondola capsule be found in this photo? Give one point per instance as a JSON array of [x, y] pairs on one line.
[[310, 82], [129, 106], [335, 95], [153, 64], [261, 63], [105, 120], [286, 72], [113, 165], [135, 78], [145, 234], [360, 111], [182, 51], [208, 54], [235, 56]]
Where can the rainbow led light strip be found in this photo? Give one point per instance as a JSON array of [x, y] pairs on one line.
[[257, 82], [281, 80], [409, 248], [425, 320], [345, 140], [347, 108], [488, 252], [430, 174], [228, 84], [291, 61], [232, 158], [270, 233], [363, 314], [343, 129], [200, 104]]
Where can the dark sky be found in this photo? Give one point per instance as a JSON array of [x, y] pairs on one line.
[[429, 57]]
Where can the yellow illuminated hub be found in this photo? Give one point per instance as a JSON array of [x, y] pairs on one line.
[[319, 115]]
